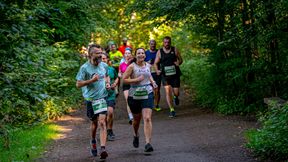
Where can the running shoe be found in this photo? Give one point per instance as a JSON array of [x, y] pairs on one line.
[[176, 100], [172, 114], [148, 148], [110, 135], [136, 142], [130, 121], [103, 153], [93, 150], [157, 108]]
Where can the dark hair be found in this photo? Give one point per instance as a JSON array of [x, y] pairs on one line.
[[167, 37], [138, 49], [105, 54], [91, 47]]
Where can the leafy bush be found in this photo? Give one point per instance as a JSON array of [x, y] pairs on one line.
[[271, 141], [196, 74]]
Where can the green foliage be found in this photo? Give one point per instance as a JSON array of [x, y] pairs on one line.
[[39, 58], [271, 140], [25, 145], [245, 43], [196, 74]]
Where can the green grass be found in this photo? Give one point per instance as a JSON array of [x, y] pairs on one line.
[[28, 144]]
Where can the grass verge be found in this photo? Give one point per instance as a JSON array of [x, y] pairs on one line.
[[27, 144]]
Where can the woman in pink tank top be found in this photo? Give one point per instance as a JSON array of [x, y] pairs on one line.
[[125, 87]]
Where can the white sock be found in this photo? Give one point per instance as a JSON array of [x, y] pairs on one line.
[[130, 116]]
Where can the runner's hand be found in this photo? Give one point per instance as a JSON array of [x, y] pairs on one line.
[[140, 78], [158, 72], [154, 85], [108, 86], [95, 78], [177, 63]]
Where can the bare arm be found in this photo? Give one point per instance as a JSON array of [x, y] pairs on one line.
[[107, 82], [82, 83], [179, 57], [126, 76], [156, 62]]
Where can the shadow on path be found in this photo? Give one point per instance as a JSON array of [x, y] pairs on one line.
[[194, 135]]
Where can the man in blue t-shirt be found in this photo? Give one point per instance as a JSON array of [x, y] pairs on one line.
[[150, 58], [92, 78]]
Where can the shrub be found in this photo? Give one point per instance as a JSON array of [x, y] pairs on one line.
[[271, 141]]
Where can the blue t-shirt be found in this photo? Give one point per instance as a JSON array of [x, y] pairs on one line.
[[97, 89], [150, 56]]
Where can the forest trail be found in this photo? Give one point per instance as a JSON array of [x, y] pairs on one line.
[[195, 135]]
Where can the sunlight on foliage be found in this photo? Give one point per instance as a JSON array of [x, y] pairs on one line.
[[28, 144]]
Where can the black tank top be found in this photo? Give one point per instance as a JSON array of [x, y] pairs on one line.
[[168, 59]]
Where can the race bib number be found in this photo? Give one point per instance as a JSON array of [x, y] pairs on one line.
[[170, 70], [140, 93], [99, 106]]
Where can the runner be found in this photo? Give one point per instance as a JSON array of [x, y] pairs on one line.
[[141, 98], [93, 80], [114, 81], [125, 45], [150, 58], [125, 87], [115, 56], [170, 59]]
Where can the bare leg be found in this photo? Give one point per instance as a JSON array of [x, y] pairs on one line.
[[147, 113], [176, 91], [103, 132], [136, 123], [156, 96], [168, 91], [110, 117], [126, 93], [94, 125]]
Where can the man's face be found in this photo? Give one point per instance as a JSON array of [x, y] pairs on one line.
[[113, 48], [95, 56], [166, 43], [124, 41], [152, 45]]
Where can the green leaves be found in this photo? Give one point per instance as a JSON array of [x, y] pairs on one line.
[[38, 63], [271, 140]]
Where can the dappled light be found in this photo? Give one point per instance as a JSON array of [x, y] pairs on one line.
[[234, 55]]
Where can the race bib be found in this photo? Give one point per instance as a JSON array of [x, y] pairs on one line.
[[140, 93], [99, 105], [170, 70]]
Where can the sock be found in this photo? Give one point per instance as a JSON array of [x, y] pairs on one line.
[[157, 106], [93, 141], [130, 116]]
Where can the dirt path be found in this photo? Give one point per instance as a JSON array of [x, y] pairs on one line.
[[195, 135]]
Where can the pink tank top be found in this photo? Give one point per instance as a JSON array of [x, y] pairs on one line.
[[123, 66]]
